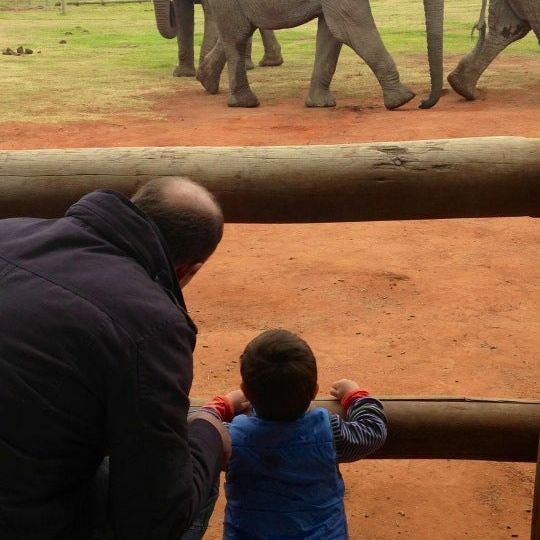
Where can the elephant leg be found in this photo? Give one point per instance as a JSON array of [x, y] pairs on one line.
[[211, 37], [234, 31], [351, 22], [272, 49], [210, 68], [185, 22], [503, 28], [326, 57], [240, 94]]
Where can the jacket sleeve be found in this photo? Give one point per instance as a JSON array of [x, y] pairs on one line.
[[161, 474]]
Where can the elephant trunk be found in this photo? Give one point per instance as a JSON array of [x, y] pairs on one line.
[[165, 18], [434, 12]]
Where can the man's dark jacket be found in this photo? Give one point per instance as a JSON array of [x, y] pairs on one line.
[[96, 357]]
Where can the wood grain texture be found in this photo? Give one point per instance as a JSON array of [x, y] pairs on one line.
[[442, 178]]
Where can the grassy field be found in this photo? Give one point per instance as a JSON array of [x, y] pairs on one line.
[[114, 58]]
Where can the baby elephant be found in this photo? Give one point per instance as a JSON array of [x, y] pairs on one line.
[[339, 21]]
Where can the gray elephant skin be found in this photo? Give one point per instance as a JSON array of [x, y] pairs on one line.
[[508, 21], [339, 21], [176, 19]]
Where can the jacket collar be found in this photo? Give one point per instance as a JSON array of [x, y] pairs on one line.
[[122, 224]]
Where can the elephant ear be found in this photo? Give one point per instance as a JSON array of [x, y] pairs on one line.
[[165, 18]]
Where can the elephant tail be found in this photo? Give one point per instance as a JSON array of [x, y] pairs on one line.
[[480, 25], [165, 18]]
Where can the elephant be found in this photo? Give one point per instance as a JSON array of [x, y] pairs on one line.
[[508, 21], [339, 21], [177, 19]]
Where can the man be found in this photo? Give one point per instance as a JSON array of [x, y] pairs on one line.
[[96, 359]]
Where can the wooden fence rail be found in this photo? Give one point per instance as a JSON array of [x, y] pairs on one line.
[[446, 178], [454, 428]]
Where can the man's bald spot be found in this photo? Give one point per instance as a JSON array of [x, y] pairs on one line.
[[183, 193], [187, 215]]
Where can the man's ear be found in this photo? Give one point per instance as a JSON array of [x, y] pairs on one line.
[[185, 272]]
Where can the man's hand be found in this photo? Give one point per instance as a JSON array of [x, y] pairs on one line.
[[222, 430], [342, 387], [239, 401]]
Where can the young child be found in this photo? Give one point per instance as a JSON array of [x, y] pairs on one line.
[[282, 480]]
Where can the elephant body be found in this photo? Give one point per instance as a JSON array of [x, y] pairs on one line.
[[176, 18], [339, 21], [508, 21]]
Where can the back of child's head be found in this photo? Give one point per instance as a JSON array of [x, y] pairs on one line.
[[279, 373]]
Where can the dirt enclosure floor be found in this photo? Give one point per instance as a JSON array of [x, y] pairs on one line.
[[417, 308]]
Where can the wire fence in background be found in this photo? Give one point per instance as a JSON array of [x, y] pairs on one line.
[[102, 2], [45, 4], [26, 4]]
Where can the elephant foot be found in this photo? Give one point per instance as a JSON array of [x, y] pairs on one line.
[[249, 64], [320, 98], [209, 82], [398, 97], [462, 87], [243, 98], [271, 60], [184, 71]]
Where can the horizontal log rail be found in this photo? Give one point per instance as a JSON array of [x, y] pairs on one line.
[[445, 178], [454, 428]]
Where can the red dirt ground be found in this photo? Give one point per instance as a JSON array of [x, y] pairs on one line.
[[425, 308]]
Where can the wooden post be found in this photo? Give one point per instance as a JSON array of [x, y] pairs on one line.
[[535, 524], [447, 178], [63, 6]]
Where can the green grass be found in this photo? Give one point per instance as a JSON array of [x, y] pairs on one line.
[[114, 58]]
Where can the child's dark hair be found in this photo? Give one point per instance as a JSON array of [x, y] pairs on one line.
[[279, 372]]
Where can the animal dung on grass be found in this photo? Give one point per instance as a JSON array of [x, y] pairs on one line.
[[20, 51]]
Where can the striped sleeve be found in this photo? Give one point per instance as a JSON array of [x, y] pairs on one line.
[[363, 432]]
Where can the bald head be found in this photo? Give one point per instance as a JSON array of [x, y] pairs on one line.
[[187, 215], [182, 194]]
